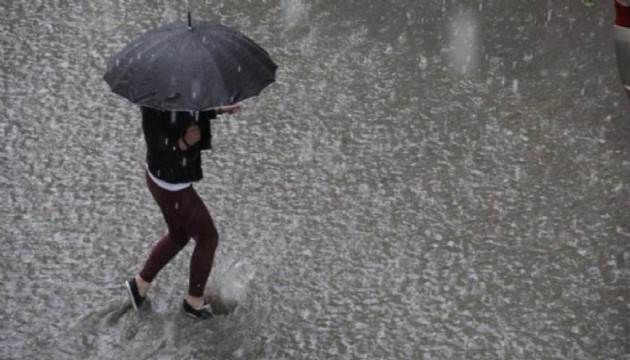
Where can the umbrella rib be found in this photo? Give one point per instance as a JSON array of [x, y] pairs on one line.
[[146, 37], [248, 54], [233, 67], [260, 54], [151, 67], [129, 73], [252, 45], [152, 71], [214, 62]]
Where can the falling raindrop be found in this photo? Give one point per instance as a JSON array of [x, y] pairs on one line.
[[117, 62], [184, 162], [515, 86], [423, 63], [176, 206], [173, 117], [166, 142], [239, 68], [195, 89]]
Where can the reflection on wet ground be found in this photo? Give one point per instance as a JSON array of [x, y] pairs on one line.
[[426, 180]]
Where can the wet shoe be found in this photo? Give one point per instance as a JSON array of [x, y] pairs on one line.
[[134, 294], [202, 314]]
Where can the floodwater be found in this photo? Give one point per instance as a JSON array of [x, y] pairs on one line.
[[436, 179]]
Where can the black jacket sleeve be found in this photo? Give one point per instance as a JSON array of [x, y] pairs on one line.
[[159, 137], [162, 131]]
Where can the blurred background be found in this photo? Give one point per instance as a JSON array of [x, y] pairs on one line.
[[439, 179]]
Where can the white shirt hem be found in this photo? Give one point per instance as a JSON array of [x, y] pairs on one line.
[[167, 185]]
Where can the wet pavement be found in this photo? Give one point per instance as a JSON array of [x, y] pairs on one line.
[[426, 180]]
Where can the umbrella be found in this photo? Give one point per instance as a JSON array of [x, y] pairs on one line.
[[185, 66]]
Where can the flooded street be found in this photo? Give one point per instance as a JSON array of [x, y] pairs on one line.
[[439, 179]]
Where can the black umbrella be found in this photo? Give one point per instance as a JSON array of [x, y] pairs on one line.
[[194, 67]]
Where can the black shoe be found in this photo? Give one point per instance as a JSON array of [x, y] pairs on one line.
[[202, 314], [134, 294]]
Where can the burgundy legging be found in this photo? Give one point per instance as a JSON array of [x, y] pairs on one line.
[[186, 217]]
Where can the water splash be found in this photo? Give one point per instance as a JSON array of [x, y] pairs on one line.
[[229, 283]]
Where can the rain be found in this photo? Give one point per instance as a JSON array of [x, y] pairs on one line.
[[439, 179]]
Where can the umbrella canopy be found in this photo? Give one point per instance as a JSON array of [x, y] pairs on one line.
[[186, 66]]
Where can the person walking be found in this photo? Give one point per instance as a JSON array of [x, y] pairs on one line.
[[174, 143]]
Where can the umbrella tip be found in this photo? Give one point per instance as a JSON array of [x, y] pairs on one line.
[[189, 21]]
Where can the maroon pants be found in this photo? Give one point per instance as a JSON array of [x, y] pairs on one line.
[[186, 217]]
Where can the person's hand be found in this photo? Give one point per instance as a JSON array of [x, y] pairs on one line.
[[229, 109], [193, 135]]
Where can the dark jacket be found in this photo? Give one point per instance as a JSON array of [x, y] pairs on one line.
[[165, 160]]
